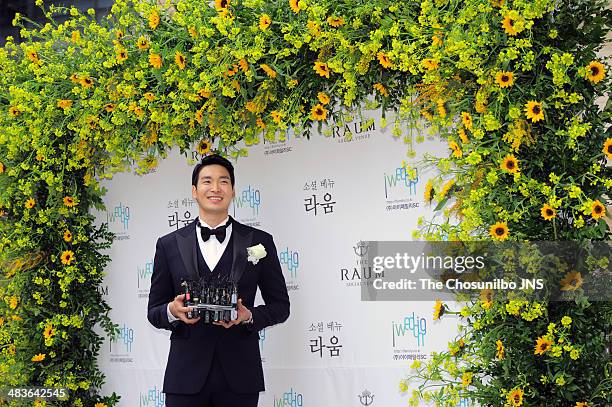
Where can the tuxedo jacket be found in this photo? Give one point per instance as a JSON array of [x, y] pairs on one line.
[[192, 347]]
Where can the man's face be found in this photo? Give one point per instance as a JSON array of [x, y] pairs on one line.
[[214, 191]]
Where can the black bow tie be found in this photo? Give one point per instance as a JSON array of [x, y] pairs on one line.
[[219, 231]]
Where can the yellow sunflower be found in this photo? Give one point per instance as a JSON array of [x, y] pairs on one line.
[[153, 20], [543, 345], [429, 191], [118, 34], [149, 96], [381, 89], [199, 116], [100, 405], [180, 60], [142, 43], [121, 55], [75, 36], [155, 60], [607, 148], [463, 136], [276, 116], [222, 5], [193, 32], [446, 187], [269, 71], [38, 358], [321, 68], [439, 309], [581, 404], [244, 65], [109, 107], [534, 111], [548, 212], [49, 331], [442, 110], [67, 257], [32, 56], [67, 236], [466, 119], [515, 397], [203, 147], [597, 209], [74, 78], [14, 111], [426, 113], [295, 7], [260, 123], [64, 103], [430, 64], [335, 21], [510, 164], [86, 82], [69, 201], [499, 231], [264, 22], [595, 71], [504, 79], [1, 167], [499, 354], [30, 203], [572, 281], [318, 112], [323, 98], [457, 153], [508, 25], [384, 60]]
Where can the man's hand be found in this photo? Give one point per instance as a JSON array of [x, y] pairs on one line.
[[179, 310], [243, 315]]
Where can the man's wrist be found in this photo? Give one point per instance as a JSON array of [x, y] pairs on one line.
[[250, 320]]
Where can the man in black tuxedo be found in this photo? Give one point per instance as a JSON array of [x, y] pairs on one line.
[[215, 365]]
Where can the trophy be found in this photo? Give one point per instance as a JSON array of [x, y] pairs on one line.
[[212, 298]]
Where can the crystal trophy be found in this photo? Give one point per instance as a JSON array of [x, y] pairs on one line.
[[212, 298]]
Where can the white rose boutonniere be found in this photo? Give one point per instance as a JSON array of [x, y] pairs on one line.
[[256, 253]]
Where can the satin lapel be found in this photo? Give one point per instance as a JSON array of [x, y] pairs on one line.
[[187, 245], [242, 239]]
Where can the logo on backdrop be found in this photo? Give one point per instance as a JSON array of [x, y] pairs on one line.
[[153, 397], [359, 274], [290, 259], [409, 336], [366, 398], [118, 220], [103, 290], [247, 206], [290, 398], [401, 190], [181, 211], [122, 346], [321, 200], [351, 132], [280, 145], [328, 343], [144, 273]]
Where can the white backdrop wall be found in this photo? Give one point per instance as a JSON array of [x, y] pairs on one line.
[[334, 348]]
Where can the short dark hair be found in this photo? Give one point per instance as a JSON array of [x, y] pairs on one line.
[[210, 160]]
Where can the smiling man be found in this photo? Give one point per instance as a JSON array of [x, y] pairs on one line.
[[218, 364]]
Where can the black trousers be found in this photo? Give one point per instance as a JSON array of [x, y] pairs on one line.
[[215, 393]]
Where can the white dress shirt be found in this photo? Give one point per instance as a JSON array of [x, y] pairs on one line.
[[212, 250]]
